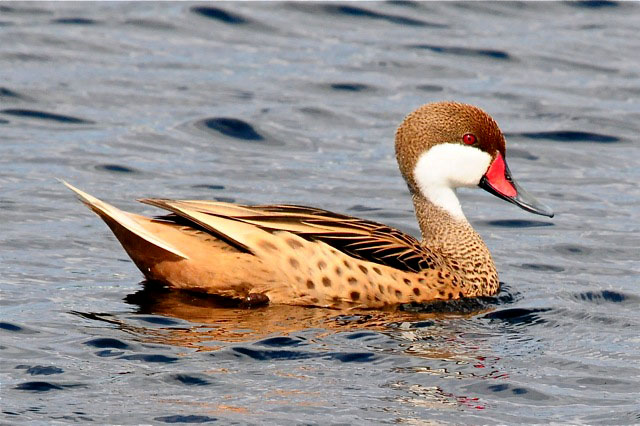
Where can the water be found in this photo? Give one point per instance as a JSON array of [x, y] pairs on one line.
[[298, 103]]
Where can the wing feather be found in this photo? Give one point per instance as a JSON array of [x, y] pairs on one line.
[[359, 238]]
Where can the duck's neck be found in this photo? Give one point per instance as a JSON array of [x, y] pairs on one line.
[[460, 246]]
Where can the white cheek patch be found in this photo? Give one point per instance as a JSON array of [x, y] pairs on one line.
[[448, 166]]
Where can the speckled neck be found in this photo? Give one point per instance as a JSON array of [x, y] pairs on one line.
[[460, 246]]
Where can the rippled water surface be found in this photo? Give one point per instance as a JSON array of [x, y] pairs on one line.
[[258, 103]]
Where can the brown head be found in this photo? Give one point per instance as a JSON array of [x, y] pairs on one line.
[[445, 145]]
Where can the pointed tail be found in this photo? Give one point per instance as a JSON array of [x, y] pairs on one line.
[[127, 220]]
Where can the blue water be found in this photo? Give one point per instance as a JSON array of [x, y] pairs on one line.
[[292, 102]]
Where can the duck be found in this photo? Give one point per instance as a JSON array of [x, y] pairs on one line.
[[307, 256]]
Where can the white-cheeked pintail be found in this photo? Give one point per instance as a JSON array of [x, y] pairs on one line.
[[298, 255]]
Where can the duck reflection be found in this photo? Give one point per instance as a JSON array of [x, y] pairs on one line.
[[213, 319]]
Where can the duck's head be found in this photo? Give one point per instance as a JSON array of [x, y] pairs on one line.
[[446, 145]]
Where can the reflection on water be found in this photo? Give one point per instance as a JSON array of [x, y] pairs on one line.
[[210, 323]]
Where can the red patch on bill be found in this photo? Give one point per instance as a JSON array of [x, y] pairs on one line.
[[498, 179]]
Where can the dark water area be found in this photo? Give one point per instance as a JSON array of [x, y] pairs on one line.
[[298, 103]]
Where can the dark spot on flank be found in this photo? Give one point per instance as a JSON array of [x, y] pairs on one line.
[[338, 271], [570, 136], [267, 245], [233, 127], [398, 294], [363, 269], [377, 270], [218, 14], [322, 265], [421, 280], [450, 295], [347, 264], [352, 281], [293, 243], [381, 288], [336, 299], [310, 285], [326, 282], [407, 281], [115, 168], [315, 300], [43, 115], [416, 291], [464, 51], [294, 263], [441, 292], [354, 295]]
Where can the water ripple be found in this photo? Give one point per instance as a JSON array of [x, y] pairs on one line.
[[593, 4], [519, 315], [221, 15], [107, 342], [272, 355], [45, 386], [569, 136], [464, 51], [514, 223], [190, 380], [40, 370], [75, 21], [360, 12], [599, 297], [232, 127], [8, 93], [192, 418], [43, 115], [115, 168], [351, 87]]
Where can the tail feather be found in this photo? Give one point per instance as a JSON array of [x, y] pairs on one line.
[[125, 219]]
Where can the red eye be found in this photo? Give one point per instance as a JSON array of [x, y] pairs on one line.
[[469, 139]]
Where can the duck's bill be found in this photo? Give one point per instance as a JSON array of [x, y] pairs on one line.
[[498, 181]]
